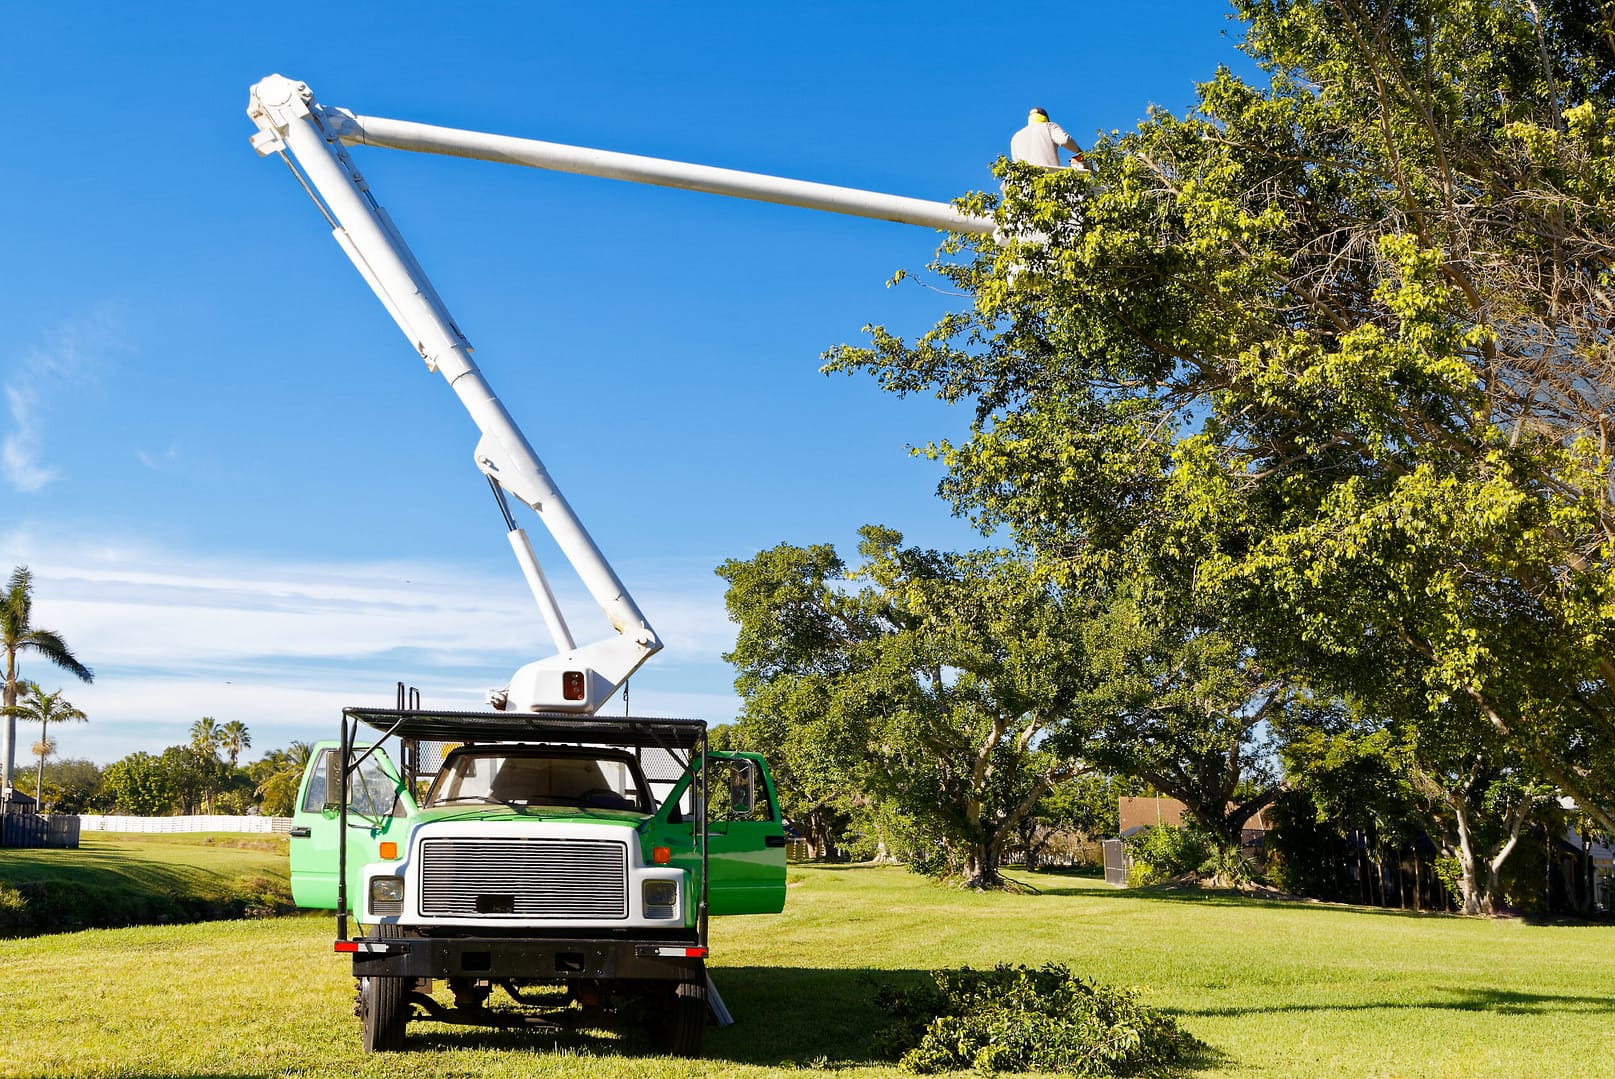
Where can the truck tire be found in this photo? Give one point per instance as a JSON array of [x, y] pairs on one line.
[[685, 1024], [384, 1007]]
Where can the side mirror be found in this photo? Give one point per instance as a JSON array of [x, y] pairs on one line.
[[742, 789]]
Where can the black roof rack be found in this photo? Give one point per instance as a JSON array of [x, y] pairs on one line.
[[442, 726]]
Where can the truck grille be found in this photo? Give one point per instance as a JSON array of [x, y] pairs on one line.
[[524, 878]]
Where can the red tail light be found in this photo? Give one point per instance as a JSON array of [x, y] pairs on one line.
[[572, 685]]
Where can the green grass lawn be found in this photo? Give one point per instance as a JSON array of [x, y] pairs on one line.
[[1277, 989], [118, 879]]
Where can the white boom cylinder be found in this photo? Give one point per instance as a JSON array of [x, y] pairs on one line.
[[287, 115], [558, 157]]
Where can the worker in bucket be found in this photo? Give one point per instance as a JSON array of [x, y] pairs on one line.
[[1040, 142]]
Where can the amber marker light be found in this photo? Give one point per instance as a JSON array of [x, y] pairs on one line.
[[389, 850], [661, 855]]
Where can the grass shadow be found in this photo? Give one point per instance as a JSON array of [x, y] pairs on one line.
[[1228, 897], [784, 1017], [1458, 998]]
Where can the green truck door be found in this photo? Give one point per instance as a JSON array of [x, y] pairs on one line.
[[379, 804], [746, 840]]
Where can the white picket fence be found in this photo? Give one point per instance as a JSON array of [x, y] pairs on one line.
[[216, 823]]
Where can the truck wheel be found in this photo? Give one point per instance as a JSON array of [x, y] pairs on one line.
[[384, 1006], [685, 1023]]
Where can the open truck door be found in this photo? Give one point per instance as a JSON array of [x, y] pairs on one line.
[[745, 835], [379, 805]]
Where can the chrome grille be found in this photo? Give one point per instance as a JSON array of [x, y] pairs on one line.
[[524, 878]]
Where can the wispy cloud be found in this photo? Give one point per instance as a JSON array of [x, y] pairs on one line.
[[66, 358], [23, 446], [156, 462], [284, 646]]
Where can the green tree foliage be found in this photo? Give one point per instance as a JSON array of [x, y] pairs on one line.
[[1188, 711], [18, 635], [233, 738], [204, 776], [815, 763], [1334, 349], [277, 777], [207, 737], [140, 784], [1084, 809], [37, 706], [1450, 775], [927, 681], [73, 785], [197, 778]]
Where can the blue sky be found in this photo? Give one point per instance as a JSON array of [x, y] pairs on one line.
[[243, 495]]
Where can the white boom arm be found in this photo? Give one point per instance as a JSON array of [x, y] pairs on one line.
[[291, 123]]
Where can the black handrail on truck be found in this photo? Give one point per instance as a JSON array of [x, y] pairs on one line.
[[415, 725]]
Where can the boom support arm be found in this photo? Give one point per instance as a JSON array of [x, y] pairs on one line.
[[307, 134], [578, 679]]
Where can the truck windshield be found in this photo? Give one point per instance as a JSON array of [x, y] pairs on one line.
[[540, 777]]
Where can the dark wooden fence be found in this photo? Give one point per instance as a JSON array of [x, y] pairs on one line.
[[32, 830]]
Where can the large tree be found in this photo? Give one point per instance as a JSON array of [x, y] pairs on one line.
[[1449, 775], [74, 786], [934, 681], [140, 784], [18, 635], [1189, 711], [1337, 347]]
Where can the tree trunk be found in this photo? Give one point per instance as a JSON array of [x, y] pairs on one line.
[[1474, 902], [8, 751], [981, 866], [1362, 872], [1028, 830], [39, 783]]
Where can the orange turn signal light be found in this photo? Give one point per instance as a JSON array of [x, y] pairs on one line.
[[389, 850], [661, 855]]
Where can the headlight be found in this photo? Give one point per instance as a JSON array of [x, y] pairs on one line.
[[661, 898], [386, 890]]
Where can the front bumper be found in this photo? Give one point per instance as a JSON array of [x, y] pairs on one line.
[[536, 958]]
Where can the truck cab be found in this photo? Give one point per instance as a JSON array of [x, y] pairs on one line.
[[581, 852]]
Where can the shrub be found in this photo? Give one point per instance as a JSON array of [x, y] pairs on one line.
[[1164, 852], [1227, 867], [1020, 1019]]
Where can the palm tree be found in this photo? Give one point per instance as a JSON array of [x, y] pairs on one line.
[[42, 749], [282, 772], [18, 635], [43, 708], [206, 737], [233, 738]]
